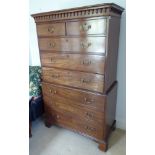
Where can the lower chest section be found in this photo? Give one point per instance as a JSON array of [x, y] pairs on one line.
[[75, 109]]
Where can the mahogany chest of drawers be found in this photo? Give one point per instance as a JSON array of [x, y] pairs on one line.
[[78, 52]]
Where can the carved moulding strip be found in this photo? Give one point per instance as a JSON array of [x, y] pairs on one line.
[[93, 11]]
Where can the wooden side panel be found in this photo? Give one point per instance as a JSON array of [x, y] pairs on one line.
[[110, 107], [112, 52]]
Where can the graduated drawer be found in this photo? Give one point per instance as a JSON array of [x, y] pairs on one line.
[[89, 81], [52, 29], [74, 96], [76, 124], [86, 27], [89, 44], [80, 62], [86, 114]]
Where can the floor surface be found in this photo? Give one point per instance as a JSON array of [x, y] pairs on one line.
[[59, 141]]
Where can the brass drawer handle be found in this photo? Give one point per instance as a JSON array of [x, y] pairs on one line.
[[85, 27], [57, 116], [53, 61], [55, 76], [86, 62], [85, 45], [51, 29], [88, 101], [89, 115], [90, 128], [85, 80], [52, 45], [53, 91]]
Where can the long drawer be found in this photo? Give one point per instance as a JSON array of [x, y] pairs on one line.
[[89, 81], [86, 27], [52, 29], [69, 121], [74, 96], [80, 62], [87, 44], [84, 113]]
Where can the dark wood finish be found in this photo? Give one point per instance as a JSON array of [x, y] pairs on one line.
[[112, 48], [73, 114], [103, 146], [110, 111], [68, 120], [83, 112], [47, 118], [73, 45], [87, 27], [99, 10], [52, 29], [87, 63], [78, 52], [48, 124], [74, 96], [89, 81]]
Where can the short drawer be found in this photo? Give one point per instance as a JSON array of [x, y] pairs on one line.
[[89, 44], [52, 29], [88, 63], [89, 81], [87, 27], [69, 121], [74, 96]]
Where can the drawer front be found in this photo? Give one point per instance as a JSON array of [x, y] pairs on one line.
[[89, 44], [69, 121], [88, 63], [51, 29], [88, 115], [74, 96], [77, 79], [86, 27]]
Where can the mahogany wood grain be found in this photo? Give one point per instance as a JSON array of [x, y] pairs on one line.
[[102, 122], [78, 52], [110, 110], [88, 63], [89, 81], [70, 121], [85, 44], [112, 52], [103, 146], [73, 96], [86, 27], [52, 29], [83, 112], [99, 10]]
